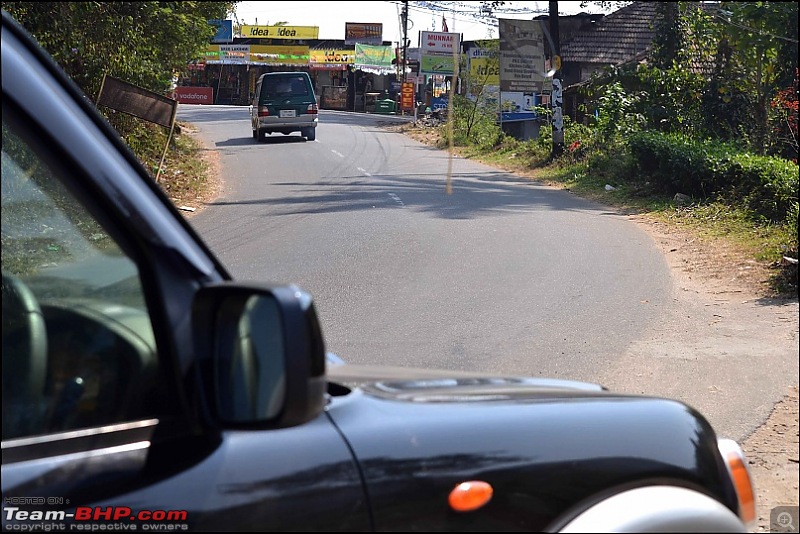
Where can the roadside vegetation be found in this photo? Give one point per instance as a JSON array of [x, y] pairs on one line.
[[704, 135], [143, 43]]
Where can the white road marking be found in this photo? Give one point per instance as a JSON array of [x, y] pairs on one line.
[[364, 171], [338, 153], [396, 199]]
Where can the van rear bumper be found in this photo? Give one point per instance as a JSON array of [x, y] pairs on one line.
[[294, 123]]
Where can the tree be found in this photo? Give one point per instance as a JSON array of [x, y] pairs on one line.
[[664, 92], [784, 116], [143, 43], [605, 5], [754, 49], [475, 115], [668, 40]]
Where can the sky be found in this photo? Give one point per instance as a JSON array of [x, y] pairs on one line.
[[331, 16]]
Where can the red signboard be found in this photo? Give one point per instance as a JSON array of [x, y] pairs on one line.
[[194, 95], [407, 96]]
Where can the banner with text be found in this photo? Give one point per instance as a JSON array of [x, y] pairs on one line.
[[521, 55], [407, 96], [332, 59], [281, 32], [278, 55], [484, 66], [439, 52], [374, 59], [234, 54], [194, 95], [364, 33]]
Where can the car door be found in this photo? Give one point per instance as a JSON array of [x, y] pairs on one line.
[[104, 413]]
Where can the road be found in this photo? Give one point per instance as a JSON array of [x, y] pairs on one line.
[[501, 275]]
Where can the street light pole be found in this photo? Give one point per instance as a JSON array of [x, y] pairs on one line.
[[405, 38], [557, 96]]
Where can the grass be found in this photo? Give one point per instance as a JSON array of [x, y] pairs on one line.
[[185, 175]]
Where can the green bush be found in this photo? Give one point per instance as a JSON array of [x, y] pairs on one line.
[[713, 169], [474, 123]]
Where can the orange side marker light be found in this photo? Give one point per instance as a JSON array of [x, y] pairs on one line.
[[469, 496]]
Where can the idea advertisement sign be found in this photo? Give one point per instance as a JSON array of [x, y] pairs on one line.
[[194, 95]]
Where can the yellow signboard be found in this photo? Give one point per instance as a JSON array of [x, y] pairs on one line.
[[281, 32], [333, 57], [484, 70], [211, 53]]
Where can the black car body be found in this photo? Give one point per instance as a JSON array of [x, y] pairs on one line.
[[142, 386]]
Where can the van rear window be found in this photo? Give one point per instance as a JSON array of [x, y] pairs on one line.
[[279, 86]]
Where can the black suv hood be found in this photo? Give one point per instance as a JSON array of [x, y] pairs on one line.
[[543, 445], [438, 385]]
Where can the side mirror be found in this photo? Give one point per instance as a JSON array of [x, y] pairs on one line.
[[261, 354]]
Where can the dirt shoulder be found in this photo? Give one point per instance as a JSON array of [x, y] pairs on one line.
[[712, 268]]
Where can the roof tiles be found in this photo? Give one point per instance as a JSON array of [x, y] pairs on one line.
[[616, 38]]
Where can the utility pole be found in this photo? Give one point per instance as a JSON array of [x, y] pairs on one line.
[[557, 96], [405, 38]]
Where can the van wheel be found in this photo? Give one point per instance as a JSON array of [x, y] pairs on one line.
[[310, 134]]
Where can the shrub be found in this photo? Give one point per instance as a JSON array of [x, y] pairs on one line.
[[707, 169], [474, 123]]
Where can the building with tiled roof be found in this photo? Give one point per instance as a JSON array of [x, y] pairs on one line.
[[620, 37]]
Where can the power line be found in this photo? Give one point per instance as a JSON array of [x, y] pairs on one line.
[[464, 16], [754, 30]]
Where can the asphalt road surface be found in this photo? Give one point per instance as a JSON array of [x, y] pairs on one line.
[[500, 275]]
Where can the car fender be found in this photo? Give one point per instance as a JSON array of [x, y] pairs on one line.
[[656, 509]]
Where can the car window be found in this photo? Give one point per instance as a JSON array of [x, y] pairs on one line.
[[286, 86], [78, 344]]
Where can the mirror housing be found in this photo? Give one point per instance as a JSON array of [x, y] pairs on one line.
[[261, 354]]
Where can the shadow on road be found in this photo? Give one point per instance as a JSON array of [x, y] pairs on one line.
[[274, 139], [473, 195]]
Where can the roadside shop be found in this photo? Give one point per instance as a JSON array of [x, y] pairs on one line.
[[346, 76]]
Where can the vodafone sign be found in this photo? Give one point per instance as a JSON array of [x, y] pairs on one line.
[[194, 95]]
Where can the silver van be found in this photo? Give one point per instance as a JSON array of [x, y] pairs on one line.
[[284, 102]]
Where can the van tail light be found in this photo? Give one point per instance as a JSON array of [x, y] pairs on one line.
[[263, 111], [312, 109], [740, 477]]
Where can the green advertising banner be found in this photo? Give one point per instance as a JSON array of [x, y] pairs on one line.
[[444, 65], [374, 58]]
